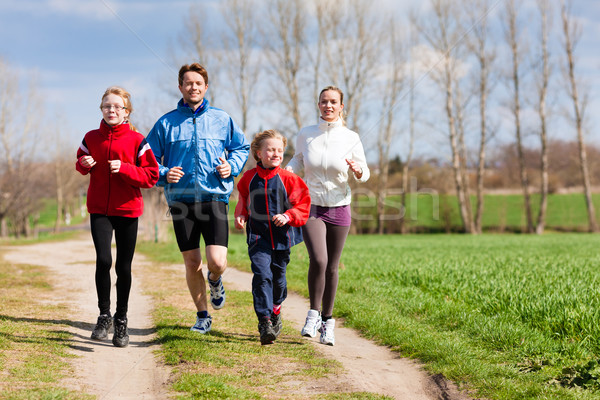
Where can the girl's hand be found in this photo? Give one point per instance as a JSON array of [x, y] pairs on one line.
[[280, 219], [355, 167], [87, 161], [240, 222], [114, 165]]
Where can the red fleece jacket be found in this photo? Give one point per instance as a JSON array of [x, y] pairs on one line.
[[117, 194]]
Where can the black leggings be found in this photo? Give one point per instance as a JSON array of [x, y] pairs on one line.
[[125, 238], [324, 243]]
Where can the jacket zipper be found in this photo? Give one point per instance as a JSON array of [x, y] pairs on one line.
[[268, 213], [110, 139], [196, 163]]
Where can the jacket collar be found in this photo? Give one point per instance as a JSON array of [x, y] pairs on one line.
[[325, 125], [186, 110], [117, 130], [266, 173]]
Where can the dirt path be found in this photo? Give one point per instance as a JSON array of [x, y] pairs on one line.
[[100, 368], [134, 373]]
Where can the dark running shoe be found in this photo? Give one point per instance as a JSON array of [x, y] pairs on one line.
[[102, 327], [120, 338], [277, 323], [265, 328]]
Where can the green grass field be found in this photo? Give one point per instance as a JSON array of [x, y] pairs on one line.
[[565, 212], [509, 316]]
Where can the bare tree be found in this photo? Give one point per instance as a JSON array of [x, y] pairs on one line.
[[353, 48], [391, 92], [242, 70], [411, 132], [18, 142], [201, 46], [542, 86], [322, 10], [285, 42], [513, 38], [478, 44], [572, 34], [444, 35]]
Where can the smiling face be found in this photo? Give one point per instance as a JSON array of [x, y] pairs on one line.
[[193, 88], [330, 105], [113, 109], [270, 153]]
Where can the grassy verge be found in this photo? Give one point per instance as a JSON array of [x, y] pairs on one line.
[[511, 316], [229, 362], [34, 342]]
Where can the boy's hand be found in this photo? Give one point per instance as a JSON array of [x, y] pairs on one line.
[[240, 222], [280, 219]]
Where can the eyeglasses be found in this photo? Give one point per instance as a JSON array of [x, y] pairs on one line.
[[111, 107]]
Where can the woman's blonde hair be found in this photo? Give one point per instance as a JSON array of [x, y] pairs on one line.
[[125, 95], [260, 137], [335, 89]]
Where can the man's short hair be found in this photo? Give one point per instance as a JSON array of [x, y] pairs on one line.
[[195, 67]]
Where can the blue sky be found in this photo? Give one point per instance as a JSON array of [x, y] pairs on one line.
[[77, 48]]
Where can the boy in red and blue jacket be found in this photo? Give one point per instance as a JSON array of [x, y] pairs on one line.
[[274, 204]]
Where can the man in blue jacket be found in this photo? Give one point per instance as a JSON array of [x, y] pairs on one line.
[[199, 150]]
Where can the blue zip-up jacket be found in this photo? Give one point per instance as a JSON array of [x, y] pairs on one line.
[[264, 193], [194, 142]]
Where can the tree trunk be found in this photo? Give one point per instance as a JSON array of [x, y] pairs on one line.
[[570, 40], [543, 90]]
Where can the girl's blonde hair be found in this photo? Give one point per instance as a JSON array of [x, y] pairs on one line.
[[125, 95], [260, 137]]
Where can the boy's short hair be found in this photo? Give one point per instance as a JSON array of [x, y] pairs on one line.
[[260, 137]]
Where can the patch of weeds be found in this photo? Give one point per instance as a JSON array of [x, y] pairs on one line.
[[586, 376], [530, 365]]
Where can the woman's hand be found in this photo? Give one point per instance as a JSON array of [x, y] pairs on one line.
[[355, 167]]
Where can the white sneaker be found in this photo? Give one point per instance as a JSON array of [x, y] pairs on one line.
[[202, 325], [327, 336], [217, 292], [312, 324]]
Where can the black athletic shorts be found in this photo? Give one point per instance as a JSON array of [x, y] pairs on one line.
[[207, 219]]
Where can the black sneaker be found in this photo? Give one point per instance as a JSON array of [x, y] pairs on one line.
[[102, 327], [265, 328], [277, 323], [120, 338]]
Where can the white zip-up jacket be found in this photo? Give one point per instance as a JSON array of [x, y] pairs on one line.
[[322, 150]]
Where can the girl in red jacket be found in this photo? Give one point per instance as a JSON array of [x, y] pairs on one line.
[[119, 162]]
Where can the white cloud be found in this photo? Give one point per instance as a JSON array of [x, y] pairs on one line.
[[93, 9]]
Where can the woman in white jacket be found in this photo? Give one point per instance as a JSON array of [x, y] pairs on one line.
[[328, 152]]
